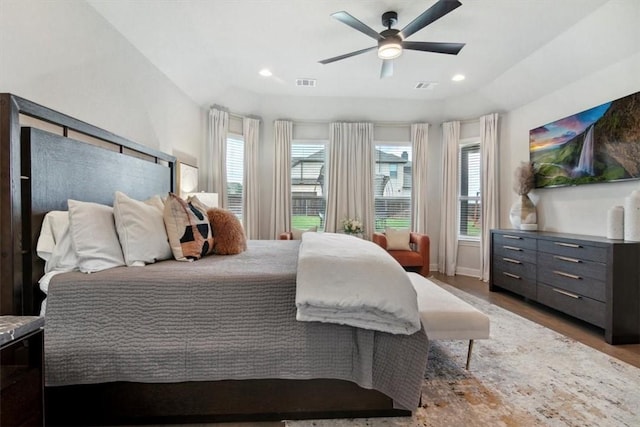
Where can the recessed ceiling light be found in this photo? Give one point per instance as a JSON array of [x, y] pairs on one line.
[[265, 72], [458, 78]]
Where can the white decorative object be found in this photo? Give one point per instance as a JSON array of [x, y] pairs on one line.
[[615, 223], [523, 214], [632, 217]]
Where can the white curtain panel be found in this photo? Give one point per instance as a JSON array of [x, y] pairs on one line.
[[419, 196], [448, 247], [281, 204], [350, 166], [217, 153], [251, 200], [488, 187]]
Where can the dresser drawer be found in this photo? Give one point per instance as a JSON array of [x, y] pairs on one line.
[[515, 283], [514, 240], [584, 308], [573, 266], [521, 269], [581, 285], [511, 252], [573, 249]]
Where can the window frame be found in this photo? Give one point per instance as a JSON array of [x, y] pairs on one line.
[[311, 142], [376, 144], [467, 143]]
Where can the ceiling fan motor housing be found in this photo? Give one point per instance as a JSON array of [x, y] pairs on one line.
[[389, 19]]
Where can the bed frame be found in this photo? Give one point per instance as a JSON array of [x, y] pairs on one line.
[[46, 158]]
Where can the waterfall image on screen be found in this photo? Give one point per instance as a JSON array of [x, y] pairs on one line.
[[601, 144]]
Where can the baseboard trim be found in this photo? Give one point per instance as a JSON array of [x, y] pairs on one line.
[[471, 272]]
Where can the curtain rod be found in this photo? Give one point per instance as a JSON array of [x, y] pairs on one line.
[[235, 115], [326, 122], [463, 122]]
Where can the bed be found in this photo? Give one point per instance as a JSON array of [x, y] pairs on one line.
[[225, 366]]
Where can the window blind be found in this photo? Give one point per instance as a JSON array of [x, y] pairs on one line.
[[235, 175], [469, 191]]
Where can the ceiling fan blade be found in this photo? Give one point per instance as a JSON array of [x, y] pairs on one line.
[[387, 68], [435, 12], [347, 55], [356, 24], [448, 48]]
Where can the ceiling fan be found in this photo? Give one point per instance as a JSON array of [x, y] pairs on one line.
[[391, 41]]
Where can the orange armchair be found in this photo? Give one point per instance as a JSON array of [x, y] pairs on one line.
[[416, 258], [286, 236]]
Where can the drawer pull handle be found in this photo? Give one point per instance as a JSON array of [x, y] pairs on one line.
[[565, 258], [567, 245], [507, 236], [569, 294], [512, 248], [570, 276], [511, 260], [514, 276]]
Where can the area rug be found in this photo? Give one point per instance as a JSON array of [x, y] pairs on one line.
[[525, 375]]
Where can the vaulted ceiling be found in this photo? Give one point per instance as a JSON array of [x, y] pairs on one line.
[[206, 47]]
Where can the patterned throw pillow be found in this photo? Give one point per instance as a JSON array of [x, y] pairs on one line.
[[188, 229]]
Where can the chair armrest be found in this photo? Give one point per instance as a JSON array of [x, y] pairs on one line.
[[286, 236], [380, 239], [423, 246]]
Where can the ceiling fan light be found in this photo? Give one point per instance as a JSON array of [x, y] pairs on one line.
[[389, 49]]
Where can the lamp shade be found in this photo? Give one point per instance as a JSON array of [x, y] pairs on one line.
[[209, 199]]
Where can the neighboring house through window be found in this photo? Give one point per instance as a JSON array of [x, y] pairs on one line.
[[235, 174], [392, 185], [469, 190], [308, 201]]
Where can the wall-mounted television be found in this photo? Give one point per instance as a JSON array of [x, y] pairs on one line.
[[601, 144]]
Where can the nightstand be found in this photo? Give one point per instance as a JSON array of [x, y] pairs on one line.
[[21, 369]]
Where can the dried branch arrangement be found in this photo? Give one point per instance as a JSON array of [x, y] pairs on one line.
[[524, 180]]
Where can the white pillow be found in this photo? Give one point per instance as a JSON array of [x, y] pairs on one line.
[[297, 234], [140, 227], [397, 240], [62, 258], [94, 236], [55, 223]]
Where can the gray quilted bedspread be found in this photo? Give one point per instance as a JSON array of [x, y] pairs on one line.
[[222, 317]]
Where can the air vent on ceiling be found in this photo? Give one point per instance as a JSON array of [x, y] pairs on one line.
[[306, 82], [426, 85]]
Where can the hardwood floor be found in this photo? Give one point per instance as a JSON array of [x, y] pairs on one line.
[[561, 323]]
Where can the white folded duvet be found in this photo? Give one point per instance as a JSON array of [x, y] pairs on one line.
[[346, 280]]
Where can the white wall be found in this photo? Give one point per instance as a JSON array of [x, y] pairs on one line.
[[65, 56], [581, 209]]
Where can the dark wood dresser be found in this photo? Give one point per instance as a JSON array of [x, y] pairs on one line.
[[591, 278]]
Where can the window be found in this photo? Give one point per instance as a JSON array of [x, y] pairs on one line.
[[308, 203], [392, 186], [235, 174], [469, 191]]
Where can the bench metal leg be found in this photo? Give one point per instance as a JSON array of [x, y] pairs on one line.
[[469, 354]]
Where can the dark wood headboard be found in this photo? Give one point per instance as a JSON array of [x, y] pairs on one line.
[[41, 169]]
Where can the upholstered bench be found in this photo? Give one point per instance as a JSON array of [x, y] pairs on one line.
[[447, 317]]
